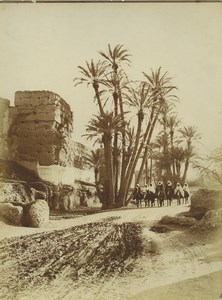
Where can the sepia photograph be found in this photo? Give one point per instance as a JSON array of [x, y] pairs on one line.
[[110, 150]]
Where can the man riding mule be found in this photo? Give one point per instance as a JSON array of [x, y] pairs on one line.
[[169, 193], [149, 197], [160, 195], [138, 195], [179, 193]]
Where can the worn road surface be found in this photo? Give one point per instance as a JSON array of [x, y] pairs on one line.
[[110, 255]]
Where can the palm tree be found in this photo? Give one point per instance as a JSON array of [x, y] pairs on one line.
[[105, 126], [96, 160], [172, 124], [111, 84], [178, 156], [160, 89], [116, 82], [139, 99], [93, 75], [148, 99], [189, 134], [162, 160], [116, 56]]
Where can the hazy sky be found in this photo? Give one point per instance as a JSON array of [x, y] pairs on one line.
[[41, 46]]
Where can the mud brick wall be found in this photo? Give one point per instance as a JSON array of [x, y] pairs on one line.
[[80, 151], [4, 127], [42, 128]]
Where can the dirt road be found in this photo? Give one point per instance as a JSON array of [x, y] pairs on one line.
[[109, 255]]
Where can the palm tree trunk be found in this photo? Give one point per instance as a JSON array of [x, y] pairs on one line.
[[126, 181], [96, 173], [96, 89], [151, 168], [185, 171], [109, 185], [150, 127], [115, 149], [123, 159], [178, 167], [173, 162], [129, 178]]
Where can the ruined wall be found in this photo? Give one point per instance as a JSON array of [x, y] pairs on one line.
[[4, 127], [65, 175], [41, 128], [80, 151], [36, 133]]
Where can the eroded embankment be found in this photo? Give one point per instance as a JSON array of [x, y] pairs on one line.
[[94, 249]]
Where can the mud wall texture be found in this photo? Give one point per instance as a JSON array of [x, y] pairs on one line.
[[4, 127], [37, 134], [41, 128], [64, 175]]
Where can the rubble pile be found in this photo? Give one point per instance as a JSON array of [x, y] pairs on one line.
[[20, 204]]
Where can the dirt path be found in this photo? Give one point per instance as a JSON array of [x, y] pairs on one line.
[[131, 214], [110, 255]]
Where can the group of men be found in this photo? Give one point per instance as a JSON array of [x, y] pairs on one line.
[[159, 193]]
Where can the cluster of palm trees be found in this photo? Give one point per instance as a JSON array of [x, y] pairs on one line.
[[128, 113], [173, 150]]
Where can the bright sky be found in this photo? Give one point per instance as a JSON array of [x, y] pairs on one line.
[[42, 45]]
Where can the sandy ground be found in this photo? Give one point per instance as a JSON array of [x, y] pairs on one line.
[[173, 265], [131, 214]]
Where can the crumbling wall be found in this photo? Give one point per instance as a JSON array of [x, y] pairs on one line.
[[41, 128], [4, 127], [80, 151], [65, 175], [38, 132]]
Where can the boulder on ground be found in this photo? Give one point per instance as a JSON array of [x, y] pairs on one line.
[[43, 187], [15, 192], [204, 200], [38, 214], [212, 220], [12, 214], [39, 194], [67, 197]]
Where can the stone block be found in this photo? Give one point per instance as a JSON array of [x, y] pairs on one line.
[[46, 108], [45, 116], [15, 192], [38, 214], [13, 214], [30, 117], [45, 125], [34, 98]]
